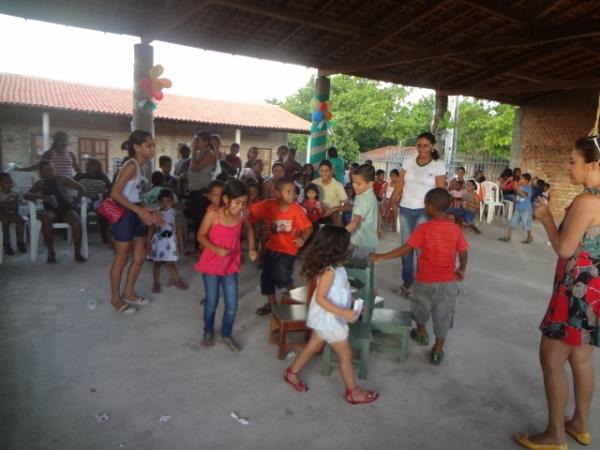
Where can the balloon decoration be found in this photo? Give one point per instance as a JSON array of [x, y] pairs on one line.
[[152, 86], [321, 115]]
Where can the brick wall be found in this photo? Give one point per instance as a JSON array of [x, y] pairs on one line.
[[549, 129], [17, 125]]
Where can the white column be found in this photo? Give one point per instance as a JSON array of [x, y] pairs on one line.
[[46, 130], [238, 136]]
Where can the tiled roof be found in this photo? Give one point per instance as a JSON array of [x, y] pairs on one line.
[[24, 90]]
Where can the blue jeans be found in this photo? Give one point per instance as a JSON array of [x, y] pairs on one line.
[[465, 214], [521, 216], [409, 219], [230, 292]]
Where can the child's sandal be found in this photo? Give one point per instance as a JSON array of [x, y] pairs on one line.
[[8, 250], [369, 398], [421, 339], [299, 385], [264, 310], [156, 288], [436, 358]]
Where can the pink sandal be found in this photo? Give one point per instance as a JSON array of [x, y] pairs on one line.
[[299, 386], [369, 398]]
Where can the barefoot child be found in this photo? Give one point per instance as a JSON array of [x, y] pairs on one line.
[[469, 206], [9, 213], [435, 291], [219, 263], [288, 229], [165, 242], [330, 311]]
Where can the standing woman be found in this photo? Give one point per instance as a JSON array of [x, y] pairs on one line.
[[417, 177], [199, 176], [570, 328], [252, 157], [130, 231]]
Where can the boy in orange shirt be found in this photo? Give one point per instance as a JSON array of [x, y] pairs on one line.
[[435, 292], [288, 228]]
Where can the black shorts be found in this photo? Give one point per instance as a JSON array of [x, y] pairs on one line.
[[277, 272]]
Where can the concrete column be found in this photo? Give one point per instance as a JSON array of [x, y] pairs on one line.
[[318, 137], [441, 106], [238, 136], [46, 130], [143, 118], [515, 147]]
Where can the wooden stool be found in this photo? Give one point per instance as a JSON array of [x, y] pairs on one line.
[[360, 338], [286, 319], [391, 322]]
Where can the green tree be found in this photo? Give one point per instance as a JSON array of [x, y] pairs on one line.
[[369, 114], [484, 127]]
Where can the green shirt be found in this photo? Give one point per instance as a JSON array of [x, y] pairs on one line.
[[339, 173], [365, 206]]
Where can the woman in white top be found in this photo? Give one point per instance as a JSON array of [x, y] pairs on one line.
[[130, 230], [417, 177]]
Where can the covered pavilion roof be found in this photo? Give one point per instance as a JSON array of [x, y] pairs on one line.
[[511, 51]]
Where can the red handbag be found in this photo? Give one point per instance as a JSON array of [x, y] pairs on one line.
[[111, 210]]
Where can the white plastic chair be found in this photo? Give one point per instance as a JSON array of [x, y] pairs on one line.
[[508, 209], [491, 201], [35, 228]]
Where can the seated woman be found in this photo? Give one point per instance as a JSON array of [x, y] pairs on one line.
[[97, 186], [469, 206], [52, 190]]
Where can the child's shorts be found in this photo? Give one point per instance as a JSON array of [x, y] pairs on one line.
[[332, 335], [521, 216], [435, 300], [128, 227], [277, 272]]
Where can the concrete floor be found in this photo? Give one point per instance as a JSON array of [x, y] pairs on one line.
[[62, 363]]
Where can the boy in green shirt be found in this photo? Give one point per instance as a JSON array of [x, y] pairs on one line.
[[365, 225]]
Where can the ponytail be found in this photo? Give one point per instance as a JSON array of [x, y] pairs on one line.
[[435, 155]]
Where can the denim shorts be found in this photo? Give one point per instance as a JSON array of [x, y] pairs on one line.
[[128, 227], [521, 216], [277, 272]]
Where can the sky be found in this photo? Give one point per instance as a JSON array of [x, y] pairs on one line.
[[30, 47]]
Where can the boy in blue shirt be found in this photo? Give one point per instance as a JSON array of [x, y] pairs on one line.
[[523, 209]]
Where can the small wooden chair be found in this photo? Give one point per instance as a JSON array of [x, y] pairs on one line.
[[287, 318]]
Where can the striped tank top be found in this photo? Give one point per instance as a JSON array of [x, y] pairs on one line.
[[62, 163]]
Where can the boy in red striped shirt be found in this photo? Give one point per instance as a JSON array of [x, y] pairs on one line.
[[435, 292]]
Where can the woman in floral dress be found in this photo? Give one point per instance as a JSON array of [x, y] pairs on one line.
[[570, 328]]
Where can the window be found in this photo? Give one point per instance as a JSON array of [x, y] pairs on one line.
[[94, 148]]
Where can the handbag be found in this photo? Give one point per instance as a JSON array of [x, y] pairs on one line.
[[111, 210]]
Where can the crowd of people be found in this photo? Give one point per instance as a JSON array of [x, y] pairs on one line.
[[329, 215]]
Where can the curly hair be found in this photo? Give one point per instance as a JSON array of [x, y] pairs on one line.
[[329, 249]]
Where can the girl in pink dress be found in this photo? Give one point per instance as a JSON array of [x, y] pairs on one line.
[[219, 263]]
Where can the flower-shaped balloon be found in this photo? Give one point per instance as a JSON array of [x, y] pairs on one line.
[[153, 84]]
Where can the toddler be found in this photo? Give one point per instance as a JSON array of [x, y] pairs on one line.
[[165, 242], [311, 203], [9, 213], [523, 209]]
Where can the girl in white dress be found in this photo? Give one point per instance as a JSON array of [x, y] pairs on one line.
[[165, 242], [330, 311]]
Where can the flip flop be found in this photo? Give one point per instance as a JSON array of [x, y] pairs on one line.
[[141, 301], [126, 309], [584, 438], [524, 440]]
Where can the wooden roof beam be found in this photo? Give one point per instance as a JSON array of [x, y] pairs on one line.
[[525, 58], [278, 12], [292, 33], [405, 21], [551, 85], [544, 9], [497, 10], [173, 20], [546, 35]]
